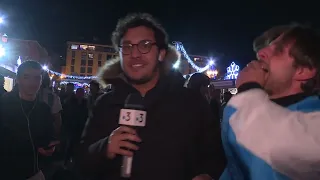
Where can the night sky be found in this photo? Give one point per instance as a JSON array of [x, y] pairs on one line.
[[223, 29]]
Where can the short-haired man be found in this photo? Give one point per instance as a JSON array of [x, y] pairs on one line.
[[26, 126], [271, 127], [178, 141]]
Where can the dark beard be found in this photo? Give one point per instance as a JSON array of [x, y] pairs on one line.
[[137, 81], [143, 80]]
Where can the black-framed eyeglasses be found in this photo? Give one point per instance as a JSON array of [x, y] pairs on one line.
[[143, 47]]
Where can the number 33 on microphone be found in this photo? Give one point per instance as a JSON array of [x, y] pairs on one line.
[[132, 117]]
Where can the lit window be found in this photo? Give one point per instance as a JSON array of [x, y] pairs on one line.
[[90, 56], [91, 48], [74, 46], [83, 47]]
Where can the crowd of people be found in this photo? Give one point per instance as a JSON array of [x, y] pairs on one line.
[[267, 131]]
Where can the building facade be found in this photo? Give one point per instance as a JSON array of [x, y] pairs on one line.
[[85, 59], [15, 51]]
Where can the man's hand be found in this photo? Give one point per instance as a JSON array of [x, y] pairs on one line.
[[256, 71], [119, 139], [49, 150], [202, 177]]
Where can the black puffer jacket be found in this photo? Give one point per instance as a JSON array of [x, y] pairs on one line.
[[179, 141], [19, 150]]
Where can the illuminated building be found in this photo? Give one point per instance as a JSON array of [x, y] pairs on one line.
[[85, 59], [14, 51]]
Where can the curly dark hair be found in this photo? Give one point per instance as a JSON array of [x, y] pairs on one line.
[[136, 20]]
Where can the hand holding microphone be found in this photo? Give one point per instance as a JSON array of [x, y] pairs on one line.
[[120, 142]]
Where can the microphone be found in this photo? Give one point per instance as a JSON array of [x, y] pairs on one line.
[[134, 116]]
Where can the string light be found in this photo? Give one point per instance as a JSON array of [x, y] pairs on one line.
[[176, 65], [19, 61], [180, 48], [64, 76], [79, 84], [232, 71]]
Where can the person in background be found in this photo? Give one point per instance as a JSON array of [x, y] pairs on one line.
[[49, 97], [46, 95], [179, 141], [2, 90], [68, 94], [62, 92], [26, 127], [271, 127], [94, 93], [226, 97], [199, 82], [75, 116]]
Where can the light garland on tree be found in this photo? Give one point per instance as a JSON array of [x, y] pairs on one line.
[[180, 48]]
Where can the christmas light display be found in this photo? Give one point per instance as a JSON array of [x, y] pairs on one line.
[[2, 51], [19, 61], [180, 48], [71, 77], [176, 65], [232, 71], [77, 84]]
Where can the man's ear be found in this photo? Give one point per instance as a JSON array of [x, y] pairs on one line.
[[162, 54], [304, 73]]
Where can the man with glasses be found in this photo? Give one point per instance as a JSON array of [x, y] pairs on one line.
[[178, 142]]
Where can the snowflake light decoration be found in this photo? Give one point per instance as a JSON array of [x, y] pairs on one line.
[[232, 71]]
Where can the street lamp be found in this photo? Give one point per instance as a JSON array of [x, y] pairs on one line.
[[211, 62], [45, 67]]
